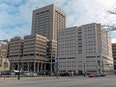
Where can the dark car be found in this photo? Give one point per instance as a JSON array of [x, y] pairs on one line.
[[6, 73], [64, 74], [103, 75]]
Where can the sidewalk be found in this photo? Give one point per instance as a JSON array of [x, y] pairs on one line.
[[11, 79], [28, 78]]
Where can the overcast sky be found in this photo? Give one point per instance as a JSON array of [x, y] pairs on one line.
[[16, 15]]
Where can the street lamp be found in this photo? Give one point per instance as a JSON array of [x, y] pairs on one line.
[[57, 68], [84, 68], [19, 66], [57, 59], [51, 57]]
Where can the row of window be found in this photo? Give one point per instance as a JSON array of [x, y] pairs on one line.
[[68, 66], [78, 66]]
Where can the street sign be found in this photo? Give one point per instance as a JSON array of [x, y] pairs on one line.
[[56, 65], [5, 64]]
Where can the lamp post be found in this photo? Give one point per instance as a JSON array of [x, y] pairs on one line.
[[57, 68], [84, 68], [19, 66], [51, 57], [102, 67], [57, 59]]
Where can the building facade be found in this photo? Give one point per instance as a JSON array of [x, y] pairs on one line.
[[3, 48], [15, 52], [114, 55], [34, 53], [4, 64], [47, 21], [85, 49], [30, 52], [4, 61]]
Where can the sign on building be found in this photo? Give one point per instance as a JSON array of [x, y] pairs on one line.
[[5, 64]]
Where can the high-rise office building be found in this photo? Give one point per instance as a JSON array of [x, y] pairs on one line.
[[47, 21], [85, 49]]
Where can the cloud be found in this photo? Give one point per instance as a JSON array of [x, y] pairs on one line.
[[16, 15], [15, 3], [113, 40], [15, 21]]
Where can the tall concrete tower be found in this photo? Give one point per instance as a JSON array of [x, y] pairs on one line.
[[47, 21]]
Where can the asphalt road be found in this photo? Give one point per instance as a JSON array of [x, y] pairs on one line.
[[109, 81]]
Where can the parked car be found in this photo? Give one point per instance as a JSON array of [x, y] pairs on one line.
[[34, 74], [102, 75], [64, 74], [27, 73], [97, 75], [6, 73], [92, 75], [40, 73]]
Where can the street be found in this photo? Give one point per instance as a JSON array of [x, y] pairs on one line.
[[109, 81]]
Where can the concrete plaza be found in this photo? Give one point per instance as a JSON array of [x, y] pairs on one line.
[[109, 81]]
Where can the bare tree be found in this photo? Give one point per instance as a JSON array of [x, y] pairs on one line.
[[112, 11], [111, 26]]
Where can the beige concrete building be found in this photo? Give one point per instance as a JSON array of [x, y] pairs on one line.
[[37, 53], [34, 53], [114, 55], [29, 52], [15, 52], [47, 21], [85, 49]]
